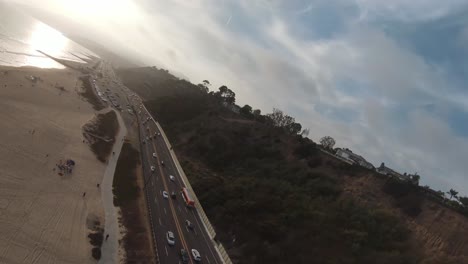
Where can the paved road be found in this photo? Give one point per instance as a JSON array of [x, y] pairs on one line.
[[165, 214], [170, 214], [110, 247]]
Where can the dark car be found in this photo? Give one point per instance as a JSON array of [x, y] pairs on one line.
[[184, 256], [173, 195], [189, 224]]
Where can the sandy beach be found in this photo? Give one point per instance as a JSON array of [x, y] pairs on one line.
[[44, 217]]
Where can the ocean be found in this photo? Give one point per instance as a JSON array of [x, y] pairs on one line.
[[22, 36]]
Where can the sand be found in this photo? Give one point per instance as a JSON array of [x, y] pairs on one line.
[[43, 216]]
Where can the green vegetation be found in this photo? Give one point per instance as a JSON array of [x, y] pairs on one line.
[[100, 133], [129, 197], [90, 95], [124, 186], [271, 194]]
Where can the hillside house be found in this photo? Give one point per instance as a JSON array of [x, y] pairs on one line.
[[354, 158], [389, 172]]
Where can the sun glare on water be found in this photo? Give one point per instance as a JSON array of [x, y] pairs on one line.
[[48, 40]]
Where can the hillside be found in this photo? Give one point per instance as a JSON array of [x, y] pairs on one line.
[[274, 197]]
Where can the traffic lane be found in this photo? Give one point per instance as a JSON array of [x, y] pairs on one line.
[[179, 228], [173, 228], [200, 240], [161, 222], [203, 245]]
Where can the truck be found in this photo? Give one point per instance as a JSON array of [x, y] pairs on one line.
[[189, 202]]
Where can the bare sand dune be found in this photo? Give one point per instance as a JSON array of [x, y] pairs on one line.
[[43, 215]]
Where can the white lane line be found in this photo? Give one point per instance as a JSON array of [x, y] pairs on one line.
[[160, 223], [167, 253], [155, 200], [152, 183], [180, 210], [186, 209], [165, 210], [208, 260]]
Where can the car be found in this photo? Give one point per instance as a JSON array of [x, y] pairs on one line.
[[183, 256], [172, 178], [159, 134], [153, 168], [189, 224], [165, 194], [154, 155], [173, 195], [196, 255], [162, 162], [170, 238], [147, 138]]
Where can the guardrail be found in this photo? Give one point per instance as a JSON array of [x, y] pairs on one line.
[[206, 222]]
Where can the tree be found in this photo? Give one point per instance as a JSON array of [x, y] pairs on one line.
[[327, 142], [204, 86], [415, 179], [226, 94], [441, 194], [280, 119], [246, 110], [294, 128], [305, 132], [452, 193], [257, 112]]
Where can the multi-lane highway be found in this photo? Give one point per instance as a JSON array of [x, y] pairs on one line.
[[170, 214], [166, 214]]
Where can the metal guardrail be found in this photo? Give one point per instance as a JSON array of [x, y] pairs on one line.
[[206, 222]]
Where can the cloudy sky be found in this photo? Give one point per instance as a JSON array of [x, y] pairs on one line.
[[386, 78]]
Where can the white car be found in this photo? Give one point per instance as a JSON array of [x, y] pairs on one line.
[[147, 138], [196, 255], [165, 195], [172, 178], [153, 168], [170, 238], [154, 155]]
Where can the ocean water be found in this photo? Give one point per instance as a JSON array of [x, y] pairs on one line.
[[22, 36]]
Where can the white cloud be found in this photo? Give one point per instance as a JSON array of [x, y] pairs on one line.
[[414, 10]]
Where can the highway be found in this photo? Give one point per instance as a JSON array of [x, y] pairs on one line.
[[166, 214]]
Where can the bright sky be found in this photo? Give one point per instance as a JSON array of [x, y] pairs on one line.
[[386, 78]]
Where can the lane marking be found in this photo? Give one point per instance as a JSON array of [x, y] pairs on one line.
[[167, 253], [176, 220], [160, 223], [165, 210]]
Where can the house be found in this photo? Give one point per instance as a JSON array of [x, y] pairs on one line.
[[389, 172], [354, 158]]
